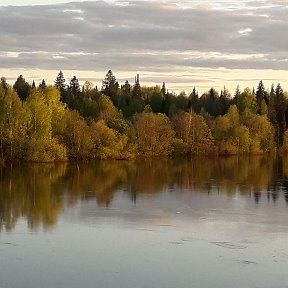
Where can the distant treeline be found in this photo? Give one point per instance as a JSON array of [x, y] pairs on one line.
[[66, 121]]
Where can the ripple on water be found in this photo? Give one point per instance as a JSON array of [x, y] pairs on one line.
[[229, 245]]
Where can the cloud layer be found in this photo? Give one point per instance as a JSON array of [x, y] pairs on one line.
[[146, 36]]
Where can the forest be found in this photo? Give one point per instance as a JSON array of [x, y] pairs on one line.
[[67, 121]]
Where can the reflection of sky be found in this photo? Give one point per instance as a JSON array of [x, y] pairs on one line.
[[188, 3], [191, 3], [179, 207], [178, 240], [203, 43]]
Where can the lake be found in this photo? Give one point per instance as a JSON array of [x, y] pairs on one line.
[[147, 223]]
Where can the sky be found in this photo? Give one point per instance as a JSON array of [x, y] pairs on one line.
[[197, 43]]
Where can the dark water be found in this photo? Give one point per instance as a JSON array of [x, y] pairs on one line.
[[161, 223]]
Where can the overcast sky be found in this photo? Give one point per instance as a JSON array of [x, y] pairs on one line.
[[186, 43]]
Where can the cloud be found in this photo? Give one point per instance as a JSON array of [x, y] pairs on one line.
[[145, 35]]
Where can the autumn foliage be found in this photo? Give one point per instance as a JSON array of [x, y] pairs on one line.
[[61, 122]]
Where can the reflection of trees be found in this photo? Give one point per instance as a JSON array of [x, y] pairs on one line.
[[31, 191], [37, 192], [98, 180]]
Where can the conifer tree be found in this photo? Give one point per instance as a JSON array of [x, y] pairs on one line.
[[22, 88], [110, 87], [261, 94], [59, 83], [42, 85], [280, 109], [137, 88]]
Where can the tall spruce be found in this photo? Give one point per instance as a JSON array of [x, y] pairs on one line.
[[137, 88], [60, 84], [280, 109], [261, 97], [110, 87], [22, 88]]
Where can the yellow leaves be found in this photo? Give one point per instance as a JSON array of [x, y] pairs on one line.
[[233, 116], [46, 150], [261, 132], [248, 133], [107, 143], [194, 132], [155, 134], [106, 109], [284, 148]]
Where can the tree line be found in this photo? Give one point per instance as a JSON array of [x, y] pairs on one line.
[[68, 121]]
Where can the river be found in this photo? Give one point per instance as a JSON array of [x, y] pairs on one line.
[[159, 223]]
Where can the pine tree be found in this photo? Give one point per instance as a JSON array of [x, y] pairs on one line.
[[110, 87], [224, 101], [42, 85], [280, 109], [137, 88], [22, 88], [261, 94], [163, 89], [126, 89], [59, 83], [74, 86], [194, 102], [271, 106], [237, 93]]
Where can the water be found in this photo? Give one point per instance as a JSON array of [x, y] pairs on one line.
[[161, 223]]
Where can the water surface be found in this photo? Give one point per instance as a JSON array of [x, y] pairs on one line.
[[161, 223]]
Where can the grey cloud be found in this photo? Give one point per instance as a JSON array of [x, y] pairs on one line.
[[136, 62], [142, 27]]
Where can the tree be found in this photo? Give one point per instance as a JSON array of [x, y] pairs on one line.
[[87, 88], [76, 136], [126, 89], [261, 95], [74, 86], [22, 88], [33, 86], [107, 143], [42, 85], [156, 99], [3, 83], [58, 109], [14, 123], [195, 134], [74, 92], [237, 92], [246, 101], [271, 106], [210, 102], [194, 102], [163, 89], [155, 135], [106, 110], [224, 101], [110, 87], [125, 99], [231, 136], [261, 132], [59, 83], [136, 93], [280, 110], [41, 145]]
